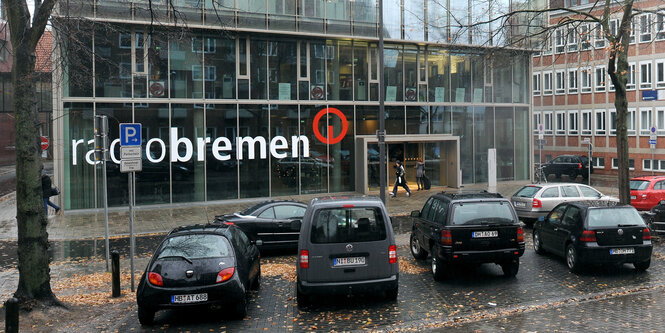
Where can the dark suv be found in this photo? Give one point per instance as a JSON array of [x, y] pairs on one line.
[[469, 227], [571, 165]]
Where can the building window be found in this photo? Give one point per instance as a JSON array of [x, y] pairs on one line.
[[585, 79], [600, 122], [631, 121], [585, 36], [548, 122], [598, 162], [613, 122], [614, 27], [646, 164], [658, 165], [586, 122], [631, 163], [536, 121], [660, 73], [547, 83], [536, 84], [645, 121], [572, 122], [645, 28], [660, 25], [600, 78], [630, 83], [560, 81], [599, 37], [645, 75], [660, 120], [561, 123], [572, 81], [547, 48], [559, 41], [572, 38]]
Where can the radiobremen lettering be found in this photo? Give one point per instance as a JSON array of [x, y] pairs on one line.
[[182, 149]]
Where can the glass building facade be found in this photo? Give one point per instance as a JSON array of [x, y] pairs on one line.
[[301, 71]]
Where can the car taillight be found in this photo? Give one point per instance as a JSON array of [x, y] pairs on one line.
[[304, 259], [225, 274], [229, 223], [392, 254], [537, 203], [579, 165], [520, 235], [155, 279], [646, 234], [446, 237], [588, 236]]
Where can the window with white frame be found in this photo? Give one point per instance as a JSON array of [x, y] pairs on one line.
[[645, 121], [630, 83], [561, 122], [600, 78], [572, 81], [586, 122], [613, 122], [536, 84], [600, 122], [614, 27], [547, 48], [547, 83], [645, 75], [631, 121], [559, 40], [631, 163], [560, 82], [645, 27], [632, 32], [572, 122], [572, 38], [547, 122], [660, 120], [536, 121], [660, 25], [585, 36], [660, 73], [598, 162], [658, 165], [585, 79], [599, 36]]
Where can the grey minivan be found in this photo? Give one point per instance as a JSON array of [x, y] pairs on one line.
[[346, 246]]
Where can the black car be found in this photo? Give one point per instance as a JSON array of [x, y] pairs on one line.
[[200, 265], [571, 165], [471, 227], [594, 232], [268, 221]]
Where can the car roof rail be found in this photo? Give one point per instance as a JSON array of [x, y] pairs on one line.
[[470, 194]]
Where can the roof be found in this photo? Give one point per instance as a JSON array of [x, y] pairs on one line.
[[469, 195], [648, 177], [342, 198]]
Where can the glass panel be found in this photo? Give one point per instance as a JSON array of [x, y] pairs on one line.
[[502, 79], [460, 78], [394, 120], [158, 63], [478, 74], [283, 69], [117, 182], [360, 70], [391, 20], [373, 165], [113, 66], [417, 120], [282, 15], [77, 53], [414, 24], [434, 159], [79, 173], [393, 73], [222, 175], [314, 170], [463, 127], [339, 62], [505, 141], [317, 67], [252, 14], [521, 143], [285, 173], [342, 154], [259, 69], [310, 17], [438, 66], [483, 128], [220, 59], [254, 173], [187, 73], [368, 119], [440, 119], [338, 17], [520, 81], [459, 20], [410, 74], [114, 9], [364, 17], [220, 13]]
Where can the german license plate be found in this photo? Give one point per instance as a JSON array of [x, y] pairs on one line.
[[633, 197], [626, 250], [191, 298], [485, 234], [349, 261], [520, 204]]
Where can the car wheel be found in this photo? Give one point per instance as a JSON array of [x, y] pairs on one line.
[[537, 243], [511, 268], [572, 175], [438, 269], [391, 294], [642, 266], [146, 316], [256, 283], [302, 298], [572, 259], [416, 250], [240, 310]]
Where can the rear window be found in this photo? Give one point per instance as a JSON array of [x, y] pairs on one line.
[[612, 217], [527, 192], [639, 185], [482, 212], [345, 225], [196, 246]]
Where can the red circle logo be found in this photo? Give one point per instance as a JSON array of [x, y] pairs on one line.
[[328, 140], [317, 92], [157, 89]]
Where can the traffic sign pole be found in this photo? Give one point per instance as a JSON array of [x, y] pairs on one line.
[[652, 142], [130, 162]]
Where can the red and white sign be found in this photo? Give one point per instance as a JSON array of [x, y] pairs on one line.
[[44, 143], [156, 88]]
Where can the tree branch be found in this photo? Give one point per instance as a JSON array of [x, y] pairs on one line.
[[42, 15], [18, 17]]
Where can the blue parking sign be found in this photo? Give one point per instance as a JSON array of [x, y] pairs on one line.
[[130, 134]]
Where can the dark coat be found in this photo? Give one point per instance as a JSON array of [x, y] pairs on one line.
[[46, 186]]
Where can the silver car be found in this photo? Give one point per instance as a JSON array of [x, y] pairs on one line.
[[536, 200]]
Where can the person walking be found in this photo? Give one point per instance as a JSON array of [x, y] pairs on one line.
[[420, 172], [400, 179], [48, 190]]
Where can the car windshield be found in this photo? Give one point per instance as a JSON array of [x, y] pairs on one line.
[[614, 217], [639, 184], [343, 225], [482, 212], [527, 191], [195, 246], [249, 210]]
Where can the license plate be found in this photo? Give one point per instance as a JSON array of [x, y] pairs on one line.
[[520, 204], [633, 197], [627, 250], [485, 234], [191, 298], [349, 261]]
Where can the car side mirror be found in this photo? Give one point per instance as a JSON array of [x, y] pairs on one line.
[[258, 242], [541, 219], [295, 225], [415, 213]]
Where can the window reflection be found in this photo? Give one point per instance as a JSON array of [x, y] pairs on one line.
[[285, 173]]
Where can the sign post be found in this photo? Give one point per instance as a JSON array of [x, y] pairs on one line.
[[130, 162], [587, 141], [491, 170], [102, 155], [652, 142], [541, 139]]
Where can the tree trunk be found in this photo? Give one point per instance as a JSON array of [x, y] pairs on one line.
[[33, 258]]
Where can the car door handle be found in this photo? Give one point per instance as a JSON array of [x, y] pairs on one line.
[[556, 229]]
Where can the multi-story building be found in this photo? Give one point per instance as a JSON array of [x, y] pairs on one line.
[[258, 98], [573, 96]]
